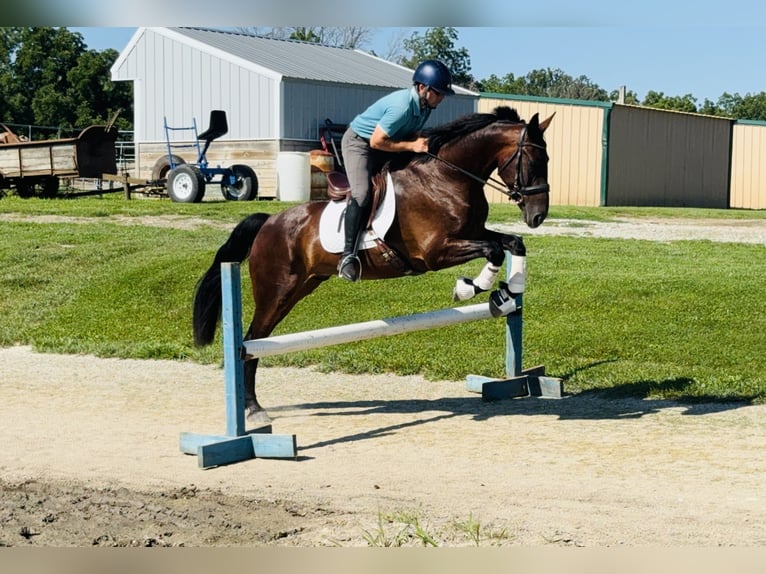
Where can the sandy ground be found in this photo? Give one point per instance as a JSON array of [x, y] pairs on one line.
[[90, 456]]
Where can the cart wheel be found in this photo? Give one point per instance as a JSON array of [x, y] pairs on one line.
[[50, 186], [162, 166], [25, 188], [186, 184], [244, 186]]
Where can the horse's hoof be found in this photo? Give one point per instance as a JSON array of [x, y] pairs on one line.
[[258, 419], [464, 290]]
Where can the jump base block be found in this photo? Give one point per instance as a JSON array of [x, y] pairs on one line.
[[215, 450], [530, 382]]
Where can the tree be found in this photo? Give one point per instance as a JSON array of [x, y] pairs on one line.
[[39, 77], [439, 44], [305, 35], [687, 103], [49, 78], [554, 83], [508, 84], [711, 108], [394, 51], [748, 107], [9, 43], [91, 76], [340, 37], [549, 83]]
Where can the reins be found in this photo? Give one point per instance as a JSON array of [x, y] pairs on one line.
[[518, 191]]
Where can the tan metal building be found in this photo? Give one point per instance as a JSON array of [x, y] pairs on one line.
[[748, 166], [611, 154], [576, 141]]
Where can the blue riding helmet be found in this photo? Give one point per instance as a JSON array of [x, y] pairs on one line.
[[435, 75]]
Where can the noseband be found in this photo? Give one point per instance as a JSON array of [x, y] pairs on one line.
[[518, 191]]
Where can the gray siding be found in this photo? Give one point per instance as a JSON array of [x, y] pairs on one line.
[[306, 104], [276, 94], [667, 159], [182, 83]]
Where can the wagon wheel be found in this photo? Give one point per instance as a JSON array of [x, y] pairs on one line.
[[244, 186], [50, 186], [186, 184], [162, 166], [25, 188]]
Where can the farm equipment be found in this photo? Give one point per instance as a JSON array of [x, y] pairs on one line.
[[185, 182], [34, 167]]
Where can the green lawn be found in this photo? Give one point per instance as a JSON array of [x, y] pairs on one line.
[[681, 320]]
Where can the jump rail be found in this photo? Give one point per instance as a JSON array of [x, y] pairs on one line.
[[238, 444], [281, 344]]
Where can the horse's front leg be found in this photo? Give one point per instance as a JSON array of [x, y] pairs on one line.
[[466, 288]]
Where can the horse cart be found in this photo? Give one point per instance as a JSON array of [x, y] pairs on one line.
[[35, 167]]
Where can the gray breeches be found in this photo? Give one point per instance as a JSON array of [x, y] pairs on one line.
[[360, 161]]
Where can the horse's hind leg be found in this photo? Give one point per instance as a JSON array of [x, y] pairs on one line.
[[272, 304]]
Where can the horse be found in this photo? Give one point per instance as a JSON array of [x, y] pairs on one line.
[[441, 212]]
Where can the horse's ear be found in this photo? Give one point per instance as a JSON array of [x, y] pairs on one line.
[[545, 123]]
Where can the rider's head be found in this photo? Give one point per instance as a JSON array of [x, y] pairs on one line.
[[434, 81]]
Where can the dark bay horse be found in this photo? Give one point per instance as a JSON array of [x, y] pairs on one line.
[[441, 212]]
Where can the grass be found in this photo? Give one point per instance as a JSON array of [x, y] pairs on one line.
[[677, 320], [404, 528]]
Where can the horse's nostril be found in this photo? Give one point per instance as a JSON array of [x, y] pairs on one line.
[[537, 220]]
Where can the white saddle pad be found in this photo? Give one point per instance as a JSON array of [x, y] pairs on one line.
[[331, 234]]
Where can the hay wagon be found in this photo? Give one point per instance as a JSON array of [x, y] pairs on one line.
[[35, 167]]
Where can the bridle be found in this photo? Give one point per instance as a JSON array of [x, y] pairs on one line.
[[518, 191]]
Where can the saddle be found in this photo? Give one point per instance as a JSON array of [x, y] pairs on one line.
[[338, 189]]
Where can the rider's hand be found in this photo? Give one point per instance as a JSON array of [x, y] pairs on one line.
[[420, 145]]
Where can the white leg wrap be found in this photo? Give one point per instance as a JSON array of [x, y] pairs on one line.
[[486, 278], [518, 274], [464, 290]]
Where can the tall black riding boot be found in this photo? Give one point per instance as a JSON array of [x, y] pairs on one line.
[[350, 267]]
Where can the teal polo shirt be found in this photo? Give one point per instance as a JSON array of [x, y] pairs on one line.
[[398, 114]]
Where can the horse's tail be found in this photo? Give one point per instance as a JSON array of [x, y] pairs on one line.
[[207, 296]]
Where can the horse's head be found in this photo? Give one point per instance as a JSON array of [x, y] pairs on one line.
[[525, 171], [477, 144]]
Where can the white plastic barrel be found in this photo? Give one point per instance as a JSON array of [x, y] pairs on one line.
[[293, 176]]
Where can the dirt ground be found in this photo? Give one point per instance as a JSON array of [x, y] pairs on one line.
[[90, 457]]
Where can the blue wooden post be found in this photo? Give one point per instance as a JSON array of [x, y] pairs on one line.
[[237, 444], [513, 338], [233, 365], [518, 382]]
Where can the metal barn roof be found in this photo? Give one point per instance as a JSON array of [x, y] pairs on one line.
[[305, 60]]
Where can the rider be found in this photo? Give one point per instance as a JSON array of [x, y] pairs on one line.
[[390, 125]]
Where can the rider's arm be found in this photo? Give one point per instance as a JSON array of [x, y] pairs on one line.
[[382, 142]]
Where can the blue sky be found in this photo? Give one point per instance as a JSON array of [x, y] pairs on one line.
[[695, 57]]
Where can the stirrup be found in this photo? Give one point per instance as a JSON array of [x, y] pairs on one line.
[[350, 268]]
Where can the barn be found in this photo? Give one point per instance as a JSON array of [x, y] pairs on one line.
[[277, 95]]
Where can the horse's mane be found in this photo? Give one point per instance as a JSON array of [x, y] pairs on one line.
[[443, 134]]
